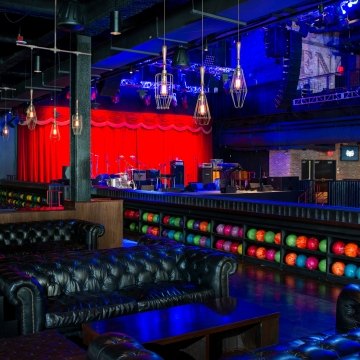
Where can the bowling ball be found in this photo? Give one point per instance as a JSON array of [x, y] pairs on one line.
[[260, 234], [171, 234], [323, 245], [190, 223], [338, 247], [351, 249], [227, 230], [290, 259], [290, 240], [301, 260], [133, 226], [269, 237], [144, 229], [136, 214], [234, 231], [127, 213], [260, 252], [166, 219], [197, 239], [178, 236], [350, 270], [150, 217], [203, 225], [203, 241], [145, 216], [227, 246], [156, 218], [234, 247], [313, 243], [164, 233], [338, 268], [312, 263], [301, 242], [322, 265], [240, 232], [219, 244], [251, 234], [172, 221], [177, 221], [270, 254], [277, 238], [251, 250], [220, 229], [190, 238], [196, 225], [240, 249]]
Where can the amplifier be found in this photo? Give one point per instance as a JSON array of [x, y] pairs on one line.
[[206, 165], [139, 175], [177, 163]]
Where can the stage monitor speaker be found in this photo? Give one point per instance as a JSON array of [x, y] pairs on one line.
[[205, 175], [177, 171], [147, 187]]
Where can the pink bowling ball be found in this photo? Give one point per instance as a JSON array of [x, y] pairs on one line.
[[220, 229], [219, 244], [227, 230], [312, 263], [270, 254], [234, 231]]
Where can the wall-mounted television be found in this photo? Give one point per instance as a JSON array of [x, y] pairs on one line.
[[349, 153]]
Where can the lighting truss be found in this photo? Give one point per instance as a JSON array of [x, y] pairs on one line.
[[338, 96]]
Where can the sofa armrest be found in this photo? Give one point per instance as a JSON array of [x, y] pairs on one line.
[[26, 295], [209, 267], [90, 232]]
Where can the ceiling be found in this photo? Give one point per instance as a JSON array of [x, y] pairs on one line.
[[141, 39]]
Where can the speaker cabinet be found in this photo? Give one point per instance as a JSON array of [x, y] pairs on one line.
[[177, 171], [205, 175]]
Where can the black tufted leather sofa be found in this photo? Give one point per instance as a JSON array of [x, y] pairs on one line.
[[24, 238], [344, 343], [68, 289]]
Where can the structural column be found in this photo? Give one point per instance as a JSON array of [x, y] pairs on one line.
[[80, 178]]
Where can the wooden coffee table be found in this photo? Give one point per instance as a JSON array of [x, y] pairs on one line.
[[205, 331]]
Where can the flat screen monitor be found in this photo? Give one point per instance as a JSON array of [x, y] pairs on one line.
[[349, 153]]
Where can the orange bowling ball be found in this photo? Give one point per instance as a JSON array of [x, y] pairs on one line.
[[260, 235], [260, 252], [338, 268], [290, 259], [301, 242], [277, 238], [351, 249]]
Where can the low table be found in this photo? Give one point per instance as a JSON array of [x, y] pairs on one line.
[[205, 331]]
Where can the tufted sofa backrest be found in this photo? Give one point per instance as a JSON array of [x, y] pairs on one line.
[[104, 270]]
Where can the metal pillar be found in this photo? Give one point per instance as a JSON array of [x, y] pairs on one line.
[[80, 178]]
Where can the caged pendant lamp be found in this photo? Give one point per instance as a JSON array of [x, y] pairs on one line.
[[202, 112], [77, 121], [238, 88], [163, 82], [31, 118]]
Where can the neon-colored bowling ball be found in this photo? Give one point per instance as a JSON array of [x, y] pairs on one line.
[[322, 265], [203, 226], [164, 233], [312, 263], [227, 245], [144, 229], [269, 237], [219, 244], [251, 234], [338, 247], [166, 219], [136, 214], [171, 234], [301, 260], [196, 225], [260, 234], [313, 243], [133, 226], [227, 230], [190, 223], [338, 268], [260, 252], [301, 242], [251, 250], [234, 247], [178, 222], [172, 221], [190, 238], [270, 254], [290, 240], [127, 213], [350, 270], [178, 235], [203, 241], [150, 217], [234, 231], [197, 239], [220, 229], [240, 249], [351, 249], [323, 245], [240, 232], [145, 216], [277, 238], [278, 256], [290, 259]]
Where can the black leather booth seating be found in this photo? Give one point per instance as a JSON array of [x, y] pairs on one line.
[[68, 289], [24, 238], [343, 343]]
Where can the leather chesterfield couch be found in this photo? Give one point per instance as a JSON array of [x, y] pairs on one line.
[[344, 343], [33, 237], [67, 289]]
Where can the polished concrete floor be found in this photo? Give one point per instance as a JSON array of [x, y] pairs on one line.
[[306, 305]]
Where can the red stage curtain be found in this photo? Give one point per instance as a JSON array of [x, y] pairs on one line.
[[119, 140]]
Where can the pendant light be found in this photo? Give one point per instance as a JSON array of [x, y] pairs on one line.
[[31, 118], [202, 113], [5, 131], [238, 88], [77, 121], [163, 82]]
